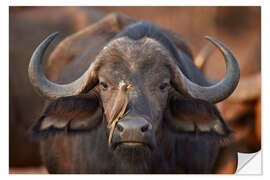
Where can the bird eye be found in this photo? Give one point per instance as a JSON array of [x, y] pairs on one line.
[[164, 86], [103, 85]]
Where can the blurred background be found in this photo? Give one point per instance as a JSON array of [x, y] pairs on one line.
[[239, 28]]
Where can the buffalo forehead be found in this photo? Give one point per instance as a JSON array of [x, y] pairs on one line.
[[114, 72], [125, 57]]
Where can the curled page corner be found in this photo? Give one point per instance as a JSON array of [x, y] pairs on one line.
[[249, 163]]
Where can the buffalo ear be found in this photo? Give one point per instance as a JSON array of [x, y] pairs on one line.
[[70, 114], [196, 117]]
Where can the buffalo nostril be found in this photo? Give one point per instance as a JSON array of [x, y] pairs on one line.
[[145, 128], [120, 127]]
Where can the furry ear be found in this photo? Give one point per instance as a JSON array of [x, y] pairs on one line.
[[70, 114], [196, 117]]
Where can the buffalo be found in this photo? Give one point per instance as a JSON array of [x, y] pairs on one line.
[[138, 104], [23, 151]]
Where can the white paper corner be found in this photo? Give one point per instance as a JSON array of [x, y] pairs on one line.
[[249, 163]]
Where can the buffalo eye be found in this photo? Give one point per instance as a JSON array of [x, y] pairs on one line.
[[164, 86], [103, 85]]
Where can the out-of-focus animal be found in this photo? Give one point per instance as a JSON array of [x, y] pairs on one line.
[[27, 25], [142, 77], [242, 109]]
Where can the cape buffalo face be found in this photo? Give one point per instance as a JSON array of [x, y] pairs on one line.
[[142, 65], [139, 89]]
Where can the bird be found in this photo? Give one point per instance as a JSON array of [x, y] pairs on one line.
[[119, 107]]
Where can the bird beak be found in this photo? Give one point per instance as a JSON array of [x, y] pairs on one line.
[[129, 86]]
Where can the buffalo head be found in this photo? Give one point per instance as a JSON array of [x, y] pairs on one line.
[[137, 86]]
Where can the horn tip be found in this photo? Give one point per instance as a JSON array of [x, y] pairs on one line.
[[209, 38], [54, 34]]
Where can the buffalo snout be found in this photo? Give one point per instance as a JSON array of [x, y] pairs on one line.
[[133, 132]]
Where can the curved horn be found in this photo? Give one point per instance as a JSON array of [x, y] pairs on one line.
[[52, 90], [216, 92]]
